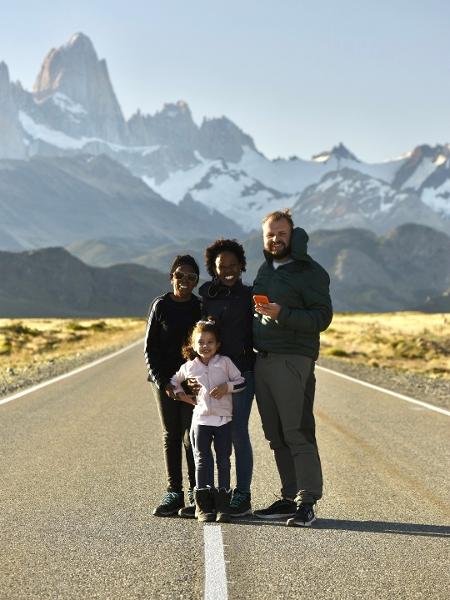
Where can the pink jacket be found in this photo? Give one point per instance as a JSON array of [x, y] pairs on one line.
[[220, 369]]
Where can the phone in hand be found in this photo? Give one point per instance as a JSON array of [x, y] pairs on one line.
[[260, 299]]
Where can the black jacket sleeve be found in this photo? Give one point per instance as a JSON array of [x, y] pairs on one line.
[[152, 343]]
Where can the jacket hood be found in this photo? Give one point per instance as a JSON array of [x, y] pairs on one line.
[[299, 246]]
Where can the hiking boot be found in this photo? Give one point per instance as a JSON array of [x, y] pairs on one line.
[[240, 504], [204, 504], [188, 512], [303, 517], [222, 499], [170, 504], [280, 509]]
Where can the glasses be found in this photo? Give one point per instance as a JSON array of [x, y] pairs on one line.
[[192, 277]]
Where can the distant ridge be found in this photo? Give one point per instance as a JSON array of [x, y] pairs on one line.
[[53, 283]]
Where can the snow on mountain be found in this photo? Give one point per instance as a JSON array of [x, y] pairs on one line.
[[240, 197], [66, 104], [60, 140], [348, 198], [73, 109]]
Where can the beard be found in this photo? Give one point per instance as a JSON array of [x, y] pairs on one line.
[[281, 252]]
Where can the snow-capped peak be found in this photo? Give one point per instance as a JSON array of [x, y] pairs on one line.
[[339, 152]]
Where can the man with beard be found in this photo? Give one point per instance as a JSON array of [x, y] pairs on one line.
[[286, 334]]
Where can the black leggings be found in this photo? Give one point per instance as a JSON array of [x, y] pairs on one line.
[[176, 417]]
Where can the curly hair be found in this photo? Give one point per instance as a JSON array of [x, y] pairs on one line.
[[213, 251], [208, 325]]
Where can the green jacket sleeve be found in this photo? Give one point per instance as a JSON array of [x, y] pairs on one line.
[[317, 313]]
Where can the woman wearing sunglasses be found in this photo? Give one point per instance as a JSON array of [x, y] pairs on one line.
[[171, 318]]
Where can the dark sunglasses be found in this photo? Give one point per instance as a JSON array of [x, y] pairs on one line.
[[192, 277]]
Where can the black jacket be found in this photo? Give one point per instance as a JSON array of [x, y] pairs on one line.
[[168, 326], [232, 308]]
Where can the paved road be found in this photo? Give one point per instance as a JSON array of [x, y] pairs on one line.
[[81, 468]]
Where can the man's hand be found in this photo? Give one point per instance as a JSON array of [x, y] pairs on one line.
[[183, 397], [219, 391], [271, 310]]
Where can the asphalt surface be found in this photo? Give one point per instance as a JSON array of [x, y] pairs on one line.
[[81, 468]]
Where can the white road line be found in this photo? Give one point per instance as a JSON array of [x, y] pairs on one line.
[[69, 374], [443, 411], [215, 573]]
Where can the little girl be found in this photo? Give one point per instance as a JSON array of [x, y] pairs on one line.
[[218, 378]]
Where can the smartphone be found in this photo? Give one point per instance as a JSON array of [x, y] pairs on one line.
[[260, 299]]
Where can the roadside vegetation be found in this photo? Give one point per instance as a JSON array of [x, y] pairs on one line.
[[413, 342], [30, 346], [32, 350]]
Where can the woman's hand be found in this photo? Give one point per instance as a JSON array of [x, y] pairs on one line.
[[219, 391], [169, 389], [193, 386], [183, 397]]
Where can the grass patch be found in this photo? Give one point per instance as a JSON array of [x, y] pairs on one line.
[[415, 342], [28, 342]]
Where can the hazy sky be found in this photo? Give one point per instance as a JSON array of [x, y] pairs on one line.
[[298, 76]]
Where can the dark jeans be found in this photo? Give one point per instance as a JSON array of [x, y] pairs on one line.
[[176, 420], [202, 437], [242, 406]]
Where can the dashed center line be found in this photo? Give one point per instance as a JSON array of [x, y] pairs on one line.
[[215, 572]]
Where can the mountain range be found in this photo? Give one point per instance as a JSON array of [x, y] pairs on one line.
[[75, 173], [405, 270], [73, 110]]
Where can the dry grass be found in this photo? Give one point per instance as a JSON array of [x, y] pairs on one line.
[[415, 342], [32, 341]]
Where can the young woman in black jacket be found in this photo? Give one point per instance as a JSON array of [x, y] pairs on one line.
[[230, 302], [171, 318]]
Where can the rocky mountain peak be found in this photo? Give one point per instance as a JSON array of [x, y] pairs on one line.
[[220, 138], [11, 136], [74, 72], [171, 126], [79, 42], [339, 152], [4, 75]]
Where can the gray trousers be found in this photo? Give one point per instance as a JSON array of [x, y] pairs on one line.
[[285, 385]]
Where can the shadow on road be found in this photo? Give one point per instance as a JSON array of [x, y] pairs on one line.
[[363, 526]]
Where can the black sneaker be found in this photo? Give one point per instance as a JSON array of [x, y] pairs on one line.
[[303, 517], [278, 510], [170, 504], [240, 504], [188, 512]]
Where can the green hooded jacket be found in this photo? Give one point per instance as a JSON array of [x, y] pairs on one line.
[[302, 288]]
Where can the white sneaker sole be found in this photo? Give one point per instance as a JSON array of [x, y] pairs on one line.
[[294, 523], [274, 517]]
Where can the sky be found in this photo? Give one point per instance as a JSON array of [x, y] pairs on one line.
[[298, 76]]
